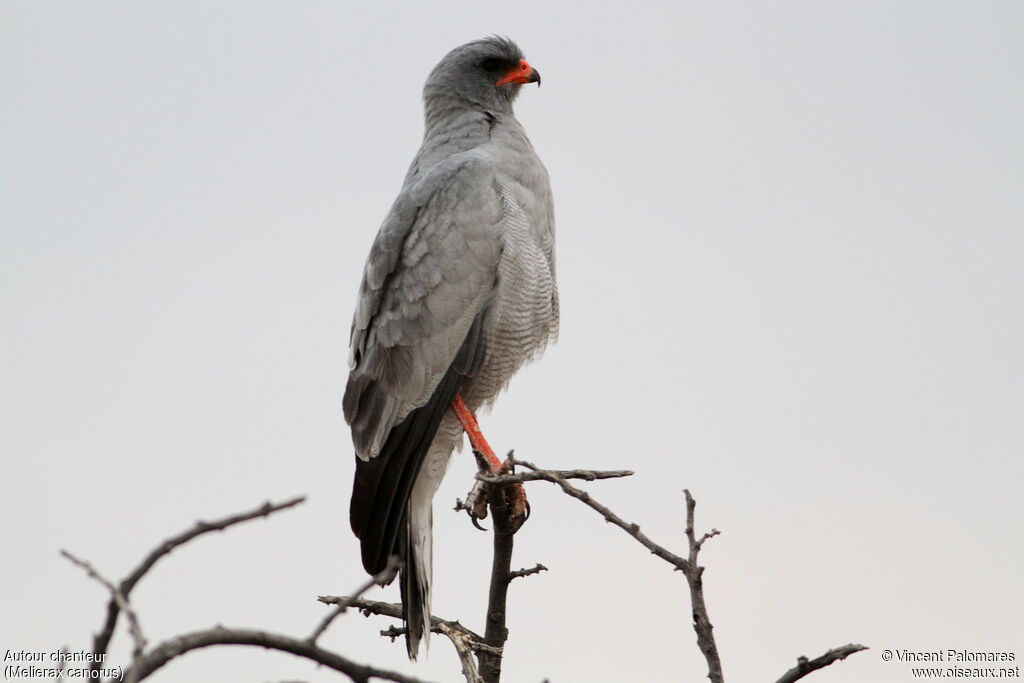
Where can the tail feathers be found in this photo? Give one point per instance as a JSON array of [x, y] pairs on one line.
[[383, 485], [414, 581]]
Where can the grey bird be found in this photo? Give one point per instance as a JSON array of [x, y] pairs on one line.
[[458, 292]]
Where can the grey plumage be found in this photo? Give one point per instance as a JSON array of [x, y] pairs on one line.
[[457, 293]]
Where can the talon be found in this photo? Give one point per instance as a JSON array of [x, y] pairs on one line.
[[513, 496], [473, 519], [476, 503], [520, 511]]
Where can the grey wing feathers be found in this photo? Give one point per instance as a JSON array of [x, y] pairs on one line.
[[417, 332], [430, 273]]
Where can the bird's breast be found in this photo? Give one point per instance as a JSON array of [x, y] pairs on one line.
[[523, 316]]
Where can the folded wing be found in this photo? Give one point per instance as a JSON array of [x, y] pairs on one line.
[[417, 331]]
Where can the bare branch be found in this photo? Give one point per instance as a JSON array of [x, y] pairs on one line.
[[102, 639], [464, 649], [527, 572], [393, 632], [394, 610], [201, 527], [805, 666], [688, 566], [163, 653], [701, 621], [118, 598], [465, 641], [586, 475], [367, 607], [709, 535], [488, 650], [632, 529], [496, 633], [381, 578]]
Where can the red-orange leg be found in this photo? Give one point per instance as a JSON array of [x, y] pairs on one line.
[[517, 495], [472, 429]]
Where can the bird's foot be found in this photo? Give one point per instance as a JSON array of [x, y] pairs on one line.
[[512, 496]]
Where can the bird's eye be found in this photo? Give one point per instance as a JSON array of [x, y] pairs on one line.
[[490, 64]]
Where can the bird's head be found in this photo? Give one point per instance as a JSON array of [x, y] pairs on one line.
[[485, 73]]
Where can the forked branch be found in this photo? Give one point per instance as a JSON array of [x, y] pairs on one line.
[[102, 639], [145, 662], [487, 649], [689, 565]]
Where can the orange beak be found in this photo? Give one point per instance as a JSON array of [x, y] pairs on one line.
[[523, 73]]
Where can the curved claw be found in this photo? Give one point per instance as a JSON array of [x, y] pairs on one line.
[[519, 520], [475, 521]]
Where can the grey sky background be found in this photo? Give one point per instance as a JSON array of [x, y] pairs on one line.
[[790, 259]]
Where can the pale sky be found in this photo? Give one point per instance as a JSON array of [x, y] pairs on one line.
[[791, 262]]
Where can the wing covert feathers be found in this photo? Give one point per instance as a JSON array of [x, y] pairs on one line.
[[431, 272]]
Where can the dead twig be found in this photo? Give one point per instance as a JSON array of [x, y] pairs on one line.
[[394, 610], [463, 645], [465, 641], [701, 621], [102, 639], [542, 475], [383, 577], [527, 572], [688, 566], [145, 663], [805, 666], [160, 655], [119, 599], [633, 530]]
